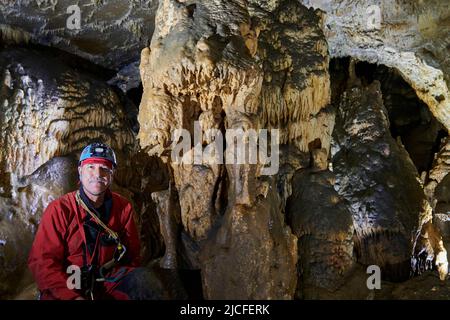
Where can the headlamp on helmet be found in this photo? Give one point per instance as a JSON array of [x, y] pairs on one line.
[[98, 151]]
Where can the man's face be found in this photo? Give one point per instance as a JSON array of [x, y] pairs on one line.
[[95, 178]]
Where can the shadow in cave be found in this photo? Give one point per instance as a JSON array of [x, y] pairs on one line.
[[135, 94]]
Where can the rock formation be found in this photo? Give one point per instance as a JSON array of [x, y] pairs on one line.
[[323, 223], [407, 36], [109, 33], [365, 156]]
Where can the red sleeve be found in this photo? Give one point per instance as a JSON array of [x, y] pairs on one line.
[[131, 239], [46, 259]]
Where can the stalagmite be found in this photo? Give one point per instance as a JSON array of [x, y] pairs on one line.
[[386, 229], [230, 77]]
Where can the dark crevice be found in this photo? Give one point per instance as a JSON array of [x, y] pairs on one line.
[[191, 10], [73, 61], [339, 75], [135, 95]]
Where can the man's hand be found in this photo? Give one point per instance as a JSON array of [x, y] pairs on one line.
[[80, 298]]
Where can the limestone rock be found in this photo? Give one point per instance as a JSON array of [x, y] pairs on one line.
[[437, 190], [15, 241], [252, 254], [111, 33], [52, 111], [387, 209], [323, 223], [411, 37]]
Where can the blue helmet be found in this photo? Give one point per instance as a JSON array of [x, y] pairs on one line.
[[100, 151]]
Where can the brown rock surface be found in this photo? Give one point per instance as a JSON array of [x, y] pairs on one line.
[[366, 158], [245, 75]]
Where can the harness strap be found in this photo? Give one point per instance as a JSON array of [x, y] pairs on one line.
[[112, 233], [120, 247]]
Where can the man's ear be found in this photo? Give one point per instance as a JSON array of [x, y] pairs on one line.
[[79, 172]]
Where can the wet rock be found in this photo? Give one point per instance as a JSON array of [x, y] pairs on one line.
[[169, 219], [387, 208], [15, 241], [229, 80], [110, 34], [437, 190], [154, 283], [410, 37], [296, 87], [29, 293], [53, 111], [252, 254]]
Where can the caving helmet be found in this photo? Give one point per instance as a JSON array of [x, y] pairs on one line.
[[98, 152]]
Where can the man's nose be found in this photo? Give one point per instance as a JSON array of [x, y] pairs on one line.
[[98, 172]]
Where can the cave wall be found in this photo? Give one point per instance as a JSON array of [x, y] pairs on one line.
[[408, 36]]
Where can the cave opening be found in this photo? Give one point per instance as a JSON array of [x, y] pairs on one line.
[[410, 118], [73, 61]]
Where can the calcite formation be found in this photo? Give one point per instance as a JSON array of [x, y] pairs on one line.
[[364, 157], [248, 74], [108, 33], [322, 221]]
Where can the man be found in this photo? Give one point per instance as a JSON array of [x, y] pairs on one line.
[[92, 229]]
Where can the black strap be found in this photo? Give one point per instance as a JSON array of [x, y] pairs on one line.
[[83, 247]]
